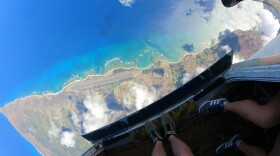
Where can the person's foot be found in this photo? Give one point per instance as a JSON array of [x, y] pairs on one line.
[[212, 106], [168, 125], [230, 144], [230, 3], [153, 132]]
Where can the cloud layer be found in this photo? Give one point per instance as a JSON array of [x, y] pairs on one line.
[[67, 139], [97, 113], [268, 25], [187, 76], [237, 58], [97, 110], [139, 96], [54, 131], [127, 3]]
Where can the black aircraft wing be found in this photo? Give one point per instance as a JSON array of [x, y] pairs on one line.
[[132, 128]]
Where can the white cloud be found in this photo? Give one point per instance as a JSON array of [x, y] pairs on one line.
[[237, 58], [54, 131], [236, 18], [225, 48], [199, 70], [97, 115], [67, 139], [268, 25], [139, 96], [127, 3], [186, 78]]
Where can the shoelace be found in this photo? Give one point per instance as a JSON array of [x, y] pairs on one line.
[[229, 144], [153, 134], [169, 127], [214, 102]]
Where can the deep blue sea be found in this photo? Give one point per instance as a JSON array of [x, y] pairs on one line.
[[48, 42], [12, 143], [45, 43]]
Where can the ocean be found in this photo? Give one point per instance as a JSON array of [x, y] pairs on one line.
[[12, 143], [48, 44], [76, 39]]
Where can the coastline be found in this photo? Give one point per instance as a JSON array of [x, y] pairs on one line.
[[98, 70], [29, 138], [34, 146], [95, 75], [108, 73]]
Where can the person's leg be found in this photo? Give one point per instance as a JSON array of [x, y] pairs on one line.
[[179, 148], [276, 148], [250, 150], [159, 149], [156, 137], [265, 116]]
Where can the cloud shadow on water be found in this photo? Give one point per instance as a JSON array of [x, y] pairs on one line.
[[188, 47]]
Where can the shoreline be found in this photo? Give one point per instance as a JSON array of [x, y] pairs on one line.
[[107, 73], [34, 147], [80, 80], [77, 81], [94, 75]]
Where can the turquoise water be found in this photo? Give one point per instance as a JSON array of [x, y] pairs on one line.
[[49, 52], [139, 52], [50, 43]]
